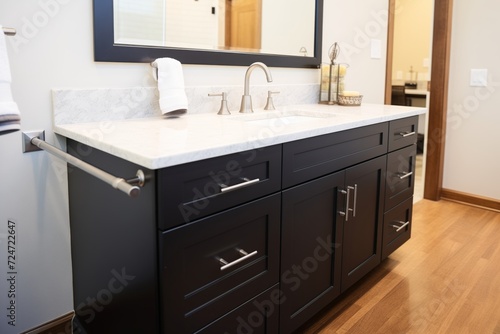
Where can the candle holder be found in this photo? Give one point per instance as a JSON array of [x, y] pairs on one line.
[[332, 82], [332, 77]]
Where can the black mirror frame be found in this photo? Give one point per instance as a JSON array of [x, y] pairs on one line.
[[106, 50]]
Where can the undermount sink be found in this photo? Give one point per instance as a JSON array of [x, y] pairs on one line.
[[281, 120], [281, 117]]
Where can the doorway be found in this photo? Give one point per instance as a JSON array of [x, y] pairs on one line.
[[244, 24], [412, 37], [437, 105]]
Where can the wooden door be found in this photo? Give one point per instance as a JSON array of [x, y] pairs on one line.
[[311, 248], [364, 216], [243, 24]]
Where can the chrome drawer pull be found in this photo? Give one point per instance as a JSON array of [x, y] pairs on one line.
[[404, 175], [347, 209], [407, 134], [343, 192], [224, 188], [355, 200], [227, 265], [399, 228], [349, 188]]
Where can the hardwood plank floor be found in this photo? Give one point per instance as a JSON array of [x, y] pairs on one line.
[[445, 279]]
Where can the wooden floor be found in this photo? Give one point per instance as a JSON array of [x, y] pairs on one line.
[[446, 279]]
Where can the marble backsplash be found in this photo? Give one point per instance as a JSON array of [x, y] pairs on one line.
[[72, 106]]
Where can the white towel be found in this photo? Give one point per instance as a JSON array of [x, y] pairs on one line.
[[10, 118], [173, 99]]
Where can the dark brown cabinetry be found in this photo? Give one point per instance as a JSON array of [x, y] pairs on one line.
[[311, 248], [192, 191], [253, 242], [400, 182], [343, 210], [362, 239], [210, 266]]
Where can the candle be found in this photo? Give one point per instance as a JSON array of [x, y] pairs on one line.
[[350, 93]]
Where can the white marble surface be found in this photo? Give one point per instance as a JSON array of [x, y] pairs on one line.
[[72, 106], [157, 142]]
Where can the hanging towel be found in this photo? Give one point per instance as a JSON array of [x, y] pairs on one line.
[[10, 119], [173, 99]]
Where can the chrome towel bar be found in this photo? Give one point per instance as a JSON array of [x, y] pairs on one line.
[[131, 187], [9, 31]]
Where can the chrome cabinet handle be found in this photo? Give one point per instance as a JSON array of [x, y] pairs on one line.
[[355, 200], [224, 188], [342, 213], [399, 228], [226, 265], [407, 134], [404, 175], [353, 210], [347, 209]]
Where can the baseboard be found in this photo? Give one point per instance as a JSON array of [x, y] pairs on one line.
[[474, 200], [61, 325]]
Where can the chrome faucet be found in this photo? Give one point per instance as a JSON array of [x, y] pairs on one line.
[[246, 99]]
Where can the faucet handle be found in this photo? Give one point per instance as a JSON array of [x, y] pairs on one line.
[[270, 103], [223, 110]]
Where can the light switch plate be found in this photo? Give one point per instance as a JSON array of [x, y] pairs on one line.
[[478, 77], [376, 49]]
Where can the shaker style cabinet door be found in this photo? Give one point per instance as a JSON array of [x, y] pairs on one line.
[[362, 238], [311, 248]]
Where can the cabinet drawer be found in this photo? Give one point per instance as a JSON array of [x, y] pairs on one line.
[[310, 158], [192, 191], [397, 227], [257, 316], [403, 132], [400, 180], [211, 266]]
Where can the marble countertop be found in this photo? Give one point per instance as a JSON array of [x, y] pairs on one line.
[[157, 142]]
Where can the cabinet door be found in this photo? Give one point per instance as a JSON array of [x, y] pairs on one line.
[[311, 248], [365, 185]]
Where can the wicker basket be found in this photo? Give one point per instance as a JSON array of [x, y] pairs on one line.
[[350, 100]]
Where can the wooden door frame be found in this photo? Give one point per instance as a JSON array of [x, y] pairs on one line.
[[438, 104]]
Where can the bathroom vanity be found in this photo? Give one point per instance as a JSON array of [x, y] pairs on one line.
[[246, 223]]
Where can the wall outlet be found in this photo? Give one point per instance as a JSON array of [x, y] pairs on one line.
[[479, 77]]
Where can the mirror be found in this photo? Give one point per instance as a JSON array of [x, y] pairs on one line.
[[273, 39]]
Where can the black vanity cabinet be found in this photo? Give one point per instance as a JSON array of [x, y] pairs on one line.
[[362, 238], [310, 248], [332, 224], [210, 266], [252, 242], [196, 252], [219, 222], [400, 182]]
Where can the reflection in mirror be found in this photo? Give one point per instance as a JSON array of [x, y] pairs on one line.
[[223, 32], [242, 25]]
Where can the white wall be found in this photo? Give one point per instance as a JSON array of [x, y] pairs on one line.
[[354, 24], [472, 151], [54, 49]]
